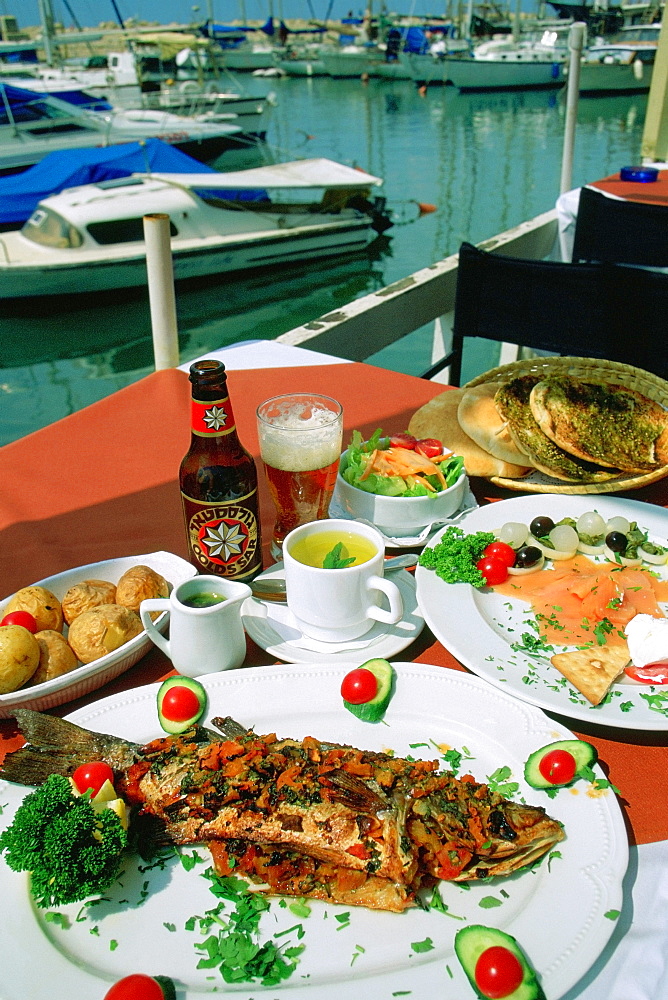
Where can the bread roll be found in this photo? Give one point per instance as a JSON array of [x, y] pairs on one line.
[[438, 418], [480, 419]]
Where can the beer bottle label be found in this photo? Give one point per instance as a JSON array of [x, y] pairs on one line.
[[223, 538], [211, 418]]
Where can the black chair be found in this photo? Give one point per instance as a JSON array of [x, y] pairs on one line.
[[620, 232], [587, 310]]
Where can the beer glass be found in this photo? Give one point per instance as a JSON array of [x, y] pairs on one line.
[[300, 437]]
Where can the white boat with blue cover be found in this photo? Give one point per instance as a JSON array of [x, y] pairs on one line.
[[91, 238]]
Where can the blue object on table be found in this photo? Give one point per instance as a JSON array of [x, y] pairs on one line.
[[642, 175]]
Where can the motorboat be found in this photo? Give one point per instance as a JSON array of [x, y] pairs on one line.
[[622, 64], [91, 238], [33, 124], [21, 193], [507, 64]]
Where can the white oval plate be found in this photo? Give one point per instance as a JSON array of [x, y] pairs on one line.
[[480, 626], [562, 912], [91, 676]]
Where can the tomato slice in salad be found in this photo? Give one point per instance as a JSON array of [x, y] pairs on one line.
[[429, 447], [403, 441], [652, 673]]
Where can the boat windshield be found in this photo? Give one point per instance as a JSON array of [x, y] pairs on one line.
[[51, 230]]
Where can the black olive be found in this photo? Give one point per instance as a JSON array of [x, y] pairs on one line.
[[541, 526], [616, 541], [527, 556]]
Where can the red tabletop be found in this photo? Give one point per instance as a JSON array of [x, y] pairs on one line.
[[654, 192], [102, 483]]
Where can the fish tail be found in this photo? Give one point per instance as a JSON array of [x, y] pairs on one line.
[[55, 746]]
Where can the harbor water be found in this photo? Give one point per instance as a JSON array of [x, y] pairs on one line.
[[486, 161]]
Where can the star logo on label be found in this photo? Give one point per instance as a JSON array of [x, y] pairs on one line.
[[227, 539], [215, 418]]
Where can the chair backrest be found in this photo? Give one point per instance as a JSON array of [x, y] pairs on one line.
[[587, 310], [620, 232]]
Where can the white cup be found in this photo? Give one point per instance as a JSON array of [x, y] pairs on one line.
[[339, 604], [202, 640]]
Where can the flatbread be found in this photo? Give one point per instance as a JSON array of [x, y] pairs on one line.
[[480, 419], [512, 401], [438, 418], [592, 671], [606, 423]]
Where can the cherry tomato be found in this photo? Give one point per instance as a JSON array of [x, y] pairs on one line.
[[140, 987], [180, 703], [502, 551], [498, 972], [429, 447], [92, 776], [23, 618], [651, 673], [493, 570], [403, 441], [558, 767], [359, 686]]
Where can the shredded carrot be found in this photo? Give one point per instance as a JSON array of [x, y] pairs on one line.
[[288, 776]]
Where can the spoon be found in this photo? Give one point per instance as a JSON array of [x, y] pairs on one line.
[[273, 589]]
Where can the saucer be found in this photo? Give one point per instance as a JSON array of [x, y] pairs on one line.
[[469, 503], [273, 628]]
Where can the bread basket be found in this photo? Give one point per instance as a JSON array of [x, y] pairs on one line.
[[593, 369]]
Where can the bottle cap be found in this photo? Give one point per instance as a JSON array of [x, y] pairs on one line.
[[642, 175]]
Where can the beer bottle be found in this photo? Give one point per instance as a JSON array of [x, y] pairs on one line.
[[218, 482]]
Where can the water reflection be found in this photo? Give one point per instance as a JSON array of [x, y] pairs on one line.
[[487, 161]]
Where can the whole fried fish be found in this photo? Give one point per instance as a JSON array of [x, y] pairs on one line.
[[386, 818]]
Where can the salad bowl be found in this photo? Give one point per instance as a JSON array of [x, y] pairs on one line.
[[398, 515]]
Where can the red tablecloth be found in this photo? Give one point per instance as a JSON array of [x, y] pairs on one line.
[[102, 483], [654, 192]]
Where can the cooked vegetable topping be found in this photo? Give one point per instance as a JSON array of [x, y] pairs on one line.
[[71, 850]]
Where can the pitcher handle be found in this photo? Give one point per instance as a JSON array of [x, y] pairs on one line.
[[393, 595], [154, 604]]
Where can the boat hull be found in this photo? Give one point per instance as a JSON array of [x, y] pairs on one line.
[[602, 78], [484, 74], [233, 254]]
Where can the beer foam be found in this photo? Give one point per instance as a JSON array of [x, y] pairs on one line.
[[315, 444]]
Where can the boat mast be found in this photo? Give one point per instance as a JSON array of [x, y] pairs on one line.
[[48, 29]]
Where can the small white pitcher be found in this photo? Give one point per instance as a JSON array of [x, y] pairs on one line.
[[202, 640]]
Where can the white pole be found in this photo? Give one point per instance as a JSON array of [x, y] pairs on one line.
[[576, 37], [161, 290]]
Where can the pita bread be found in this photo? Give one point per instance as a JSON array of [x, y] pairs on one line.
[[438, 418], [592, 671], [480, 419]]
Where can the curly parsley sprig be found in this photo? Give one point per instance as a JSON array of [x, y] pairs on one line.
[[455, 556]]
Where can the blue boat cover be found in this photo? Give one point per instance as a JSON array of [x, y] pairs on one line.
[[20, 193]]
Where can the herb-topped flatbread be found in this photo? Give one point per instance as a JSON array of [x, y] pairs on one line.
[[609, 424], [512, 401]]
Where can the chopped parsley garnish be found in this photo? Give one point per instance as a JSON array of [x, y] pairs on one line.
[[232, 945]]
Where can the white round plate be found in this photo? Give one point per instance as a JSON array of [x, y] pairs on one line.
[[562, 912], [91, 676], [273, 628], [479, 627]]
